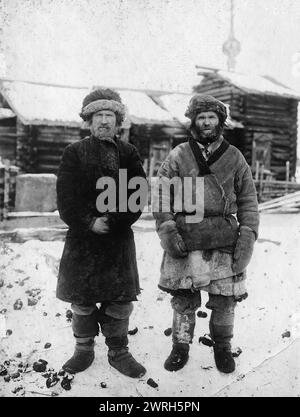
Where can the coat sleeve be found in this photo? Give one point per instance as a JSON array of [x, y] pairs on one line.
[[75, 212], [163, 197], [247, 206], [121, 220]]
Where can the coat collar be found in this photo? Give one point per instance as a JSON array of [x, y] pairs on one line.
[[204, 166]]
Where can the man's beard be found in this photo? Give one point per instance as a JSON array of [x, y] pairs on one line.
[[103, 132], [208, 137]]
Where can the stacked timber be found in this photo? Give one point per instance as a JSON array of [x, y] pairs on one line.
[[287, 202], [268, 190]]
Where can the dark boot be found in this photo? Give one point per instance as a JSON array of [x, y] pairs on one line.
[[122, 360], [85, 328], [178, 357], [83, 356], [222, 335], [115, 332], [224, 360], [182, 334], [221, 330]]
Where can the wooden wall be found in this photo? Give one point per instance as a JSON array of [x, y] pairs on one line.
[[260, 114], [224, 91], [51, 142], [276, 116], [40, 148], [8, 139]]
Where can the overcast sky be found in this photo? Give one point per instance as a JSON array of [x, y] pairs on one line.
[[146, 43]]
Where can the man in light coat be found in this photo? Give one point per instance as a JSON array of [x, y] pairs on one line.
[[212, 253]]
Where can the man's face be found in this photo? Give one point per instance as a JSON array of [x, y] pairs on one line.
[[104, 124], [206, 124]]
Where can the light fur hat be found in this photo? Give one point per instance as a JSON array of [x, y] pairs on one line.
[[103, 99]]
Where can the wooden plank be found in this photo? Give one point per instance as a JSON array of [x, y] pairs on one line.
[[293, 197]]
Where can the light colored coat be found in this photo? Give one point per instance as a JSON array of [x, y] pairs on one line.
[[229, 193]]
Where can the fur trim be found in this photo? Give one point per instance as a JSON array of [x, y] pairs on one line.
[[102, 104], [203, 103]]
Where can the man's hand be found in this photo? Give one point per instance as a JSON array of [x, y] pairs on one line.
[[171, 241], [100, 226], [243, 250]]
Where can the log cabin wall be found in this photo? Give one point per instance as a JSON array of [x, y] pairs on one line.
[[274, 116], [144, 136], [224, 91], [25, 148], [8, 139], [51, 142], [277, 117], [40, 147], [229, 94]]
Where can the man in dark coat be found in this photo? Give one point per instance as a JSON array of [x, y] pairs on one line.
[[98, 263], [210, 253]]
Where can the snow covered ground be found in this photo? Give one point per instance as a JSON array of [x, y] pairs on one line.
[[268, 365]]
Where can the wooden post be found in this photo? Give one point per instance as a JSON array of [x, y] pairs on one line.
[[287, 176], [256, 170], [6, 190], [262, 168]]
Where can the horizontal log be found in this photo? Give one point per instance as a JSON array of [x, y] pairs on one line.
[[49, 168], [43, 234], [57, 140], [7, 129], [7, 143], [49, 158]]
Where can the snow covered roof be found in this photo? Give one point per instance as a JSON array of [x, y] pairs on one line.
[[258, 84], [142, 109], [54, 105], [176, 104], [6, 113], [42, 104]]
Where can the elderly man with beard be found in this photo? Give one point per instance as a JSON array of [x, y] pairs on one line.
[[98, 263], [211, 253]]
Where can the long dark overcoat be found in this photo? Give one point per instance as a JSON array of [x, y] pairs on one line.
[[96, 268]]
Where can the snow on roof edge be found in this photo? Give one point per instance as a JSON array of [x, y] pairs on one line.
[[258, 84]]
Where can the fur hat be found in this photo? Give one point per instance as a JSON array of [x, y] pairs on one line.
[[202, 103], [103, 99]]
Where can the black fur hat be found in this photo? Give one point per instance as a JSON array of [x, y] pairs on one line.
[[202, 103]]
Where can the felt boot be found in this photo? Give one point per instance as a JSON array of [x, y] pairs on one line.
[[178, 357], [224, 359], [115, 332], [183, 332], [221, 330], [85, 328], [83, 356], [121, 359], [222, 335]]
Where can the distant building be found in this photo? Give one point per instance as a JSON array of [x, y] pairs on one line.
[[38, 121]]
